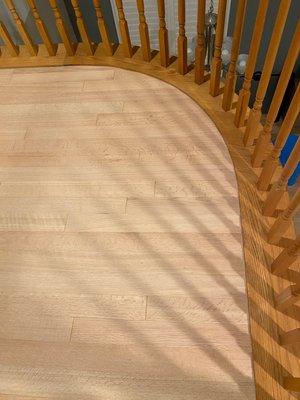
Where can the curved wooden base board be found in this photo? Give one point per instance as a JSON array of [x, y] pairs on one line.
[[271, 362]]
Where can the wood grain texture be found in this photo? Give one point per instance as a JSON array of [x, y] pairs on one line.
[[120, 220]]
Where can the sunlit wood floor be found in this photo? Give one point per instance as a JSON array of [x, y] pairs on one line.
[[121, 264]]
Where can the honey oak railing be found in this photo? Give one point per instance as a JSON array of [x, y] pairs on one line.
[[267, 210]]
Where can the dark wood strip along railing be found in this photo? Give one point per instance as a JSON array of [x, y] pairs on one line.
[[255, 114], [31, 47], [144, 31], [163, 35], [90, 48], [200, 48], [231, 74], [62, 29], [12, 48], [126, 42], [51, 47], [182, 39], [215, 77], [103, 28], [244, 95]]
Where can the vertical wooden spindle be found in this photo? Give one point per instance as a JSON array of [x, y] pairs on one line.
[[280, 187], [62, 29], [231, 74], [265, 136], [215, 75], [200, 48], [292, 384], [89, 46], [126, 42], [12, 48], [103, 28], [286, 258], [289, 296], [252, 126], [283, 221], [32, 48], [163, 35], [290, 337], [144, 31], [51, 47], [182, 39], [244, 94], [271, 162]]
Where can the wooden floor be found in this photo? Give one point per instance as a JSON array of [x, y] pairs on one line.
[[121, 268]]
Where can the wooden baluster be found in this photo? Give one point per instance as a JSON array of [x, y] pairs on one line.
[[287, 297], [200, 48], [163, 35], [144, 32], [292, 384], [271, 162], [12, 48], [244, 94], [231, 74], [283, 221], [62, 29], [126, 42], [32, 48], [51, 47], [280, 187], [103, 28], [252, 126], [286, 258], [182, 39], [290, 337], [265, 136], [89, 46], [215, 75]]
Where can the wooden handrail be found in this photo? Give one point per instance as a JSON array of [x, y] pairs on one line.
[[215, 76], [236, 41], [282, 223], [273, 159], [252, 127], [265, 136], [103, 28], [182, 39], [12, 48], [62, 29], [50, 46], [89, 47], [144, 31], [126, 42], [163, 35], [31, 47], [244, 94], [286, 258], [200, 47]]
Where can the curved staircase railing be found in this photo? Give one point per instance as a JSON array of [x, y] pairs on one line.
[[270, 244]]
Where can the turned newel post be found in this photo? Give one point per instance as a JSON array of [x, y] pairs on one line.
[[244, 94], [32, 48], [251, 132], [271, 162], [163, 35], [286, 258], [200, 48], [103, 28], [82, 28], [51, 47], [62, 29], [126, 42], [284, 220], [182, 39], [144, 31], [216, 67], [231, 74]]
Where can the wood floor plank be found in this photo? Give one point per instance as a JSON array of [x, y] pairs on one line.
[[30, 221]]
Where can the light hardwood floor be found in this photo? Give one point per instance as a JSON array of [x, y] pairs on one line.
[[121, 263]]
